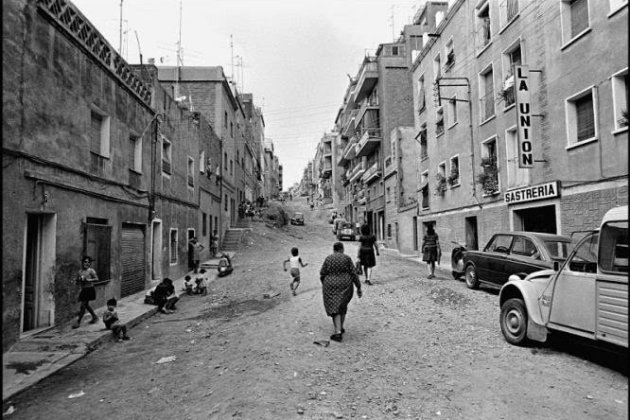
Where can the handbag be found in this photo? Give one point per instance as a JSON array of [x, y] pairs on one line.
[[358, 268]]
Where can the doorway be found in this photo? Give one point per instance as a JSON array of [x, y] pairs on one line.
[[415, 233], [472, 242], [38, 284], [191, 251], [156, 249], [536, 219]]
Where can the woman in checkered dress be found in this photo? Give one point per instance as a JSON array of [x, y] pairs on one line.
[[337, 276]]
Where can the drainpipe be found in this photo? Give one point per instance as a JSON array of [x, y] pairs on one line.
[[472, 144]]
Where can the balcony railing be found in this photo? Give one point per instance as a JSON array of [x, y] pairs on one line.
[[372, 173], [370, 139], [367, 78], [349, 150], [357, 171]]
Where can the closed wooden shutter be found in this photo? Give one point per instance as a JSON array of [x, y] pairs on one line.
[[585, 118], [132, 259], [579, 17]]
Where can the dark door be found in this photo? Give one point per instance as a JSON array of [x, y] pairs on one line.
[[132, 259], [415, 233], [539, 219], [472, 242], [33, 228], [191, 251]]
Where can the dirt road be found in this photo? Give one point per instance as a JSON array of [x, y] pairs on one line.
[[414, 348]]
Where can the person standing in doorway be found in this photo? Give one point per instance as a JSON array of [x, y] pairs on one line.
[[86, 278], [197, 247], [214, 244], [431, 249], [366, 252]]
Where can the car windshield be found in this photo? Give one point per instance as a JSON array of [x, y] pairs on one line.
[[558, 250], [299, 215], [346, 225]]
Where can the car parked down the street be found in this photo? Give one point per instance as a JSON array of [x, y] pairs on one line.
[[345, 230], [514, 253], [298, 219]]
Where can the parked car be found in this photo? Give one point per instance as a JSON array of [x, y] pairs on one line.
[[511, 253], [586, 296], [298, 219], [346, 230]]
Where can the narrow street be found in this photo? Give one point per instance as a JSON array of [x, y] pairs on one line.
[[414, 348]]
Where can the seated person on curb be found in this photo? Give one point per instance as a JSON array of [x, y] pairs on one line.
[[165, 297], [202, 283], [188, 285], [110, 318]]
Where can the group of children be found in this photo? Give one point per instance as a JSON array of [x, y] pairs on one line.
[[197, 287]]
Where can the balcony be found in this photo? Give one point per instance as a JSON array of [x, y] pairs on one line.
[[350, 124], [370, 141], [326, 168], [369, 106], [372, 173], [359, 197], [367, 79], [357, 171], [390, 167], [348, 152]]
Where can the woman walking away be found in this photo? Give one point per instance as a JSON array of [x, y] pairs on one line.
[[430, 250], [337, 276], [366, 252], [86, 278]]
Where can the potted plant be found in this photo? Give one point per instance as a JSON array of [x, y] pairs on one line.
[[453, 178], [440, 185], [623, 121], [489, 178]]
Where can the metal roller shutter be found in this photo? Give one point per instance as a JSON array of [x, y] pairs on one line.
[[132, 258]]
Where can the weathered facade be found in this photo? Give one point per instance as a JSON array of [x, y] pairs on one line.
[[471, 183]]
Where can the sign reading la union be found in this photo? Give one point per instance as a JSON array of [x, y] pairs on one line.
[[523, 117], [536, 192]]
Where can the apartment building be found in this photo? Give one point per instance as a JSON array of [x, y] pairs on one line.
[[98, 160], [540, 149]]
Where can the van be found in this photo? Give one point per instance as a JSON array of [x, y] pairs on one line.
[[586, 296]]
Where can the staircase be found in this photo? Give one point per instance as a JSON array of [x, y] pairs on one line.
[[232, 239], [243, 223]]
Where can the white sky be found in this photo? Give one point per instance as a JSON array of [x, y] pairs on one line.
[[295, 53]]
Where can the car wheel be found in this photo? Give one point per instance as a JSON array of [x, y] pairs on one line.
[[471, 277], [514, 321]]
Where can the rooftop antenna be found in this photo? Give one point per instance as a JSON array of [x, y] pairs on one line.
[[392, 21], [120, 31], [232, 55], [180, 58]]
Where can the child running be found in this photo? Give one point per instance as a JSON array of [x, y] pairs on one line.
[[295, 262]]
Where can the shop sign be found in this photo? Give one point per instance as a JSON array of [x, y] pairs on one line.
[[523, 117], [536, 192]]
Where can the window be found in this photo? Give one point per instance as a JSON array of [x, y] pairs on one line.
[[500, 244], [525, 247], [135, 154], [574, 19], [508, 10], [486, 94], [388, 194], [238, 156], [613, 249], [225, 201], [450, 56], [225, 161], [202, 162], [424, 182], [620, 99], [191, 172], [437, 67], [617, 5], [389, 230], [166, 156], [204, 224], [231, 167], [172, 247], [422, 135], [581, 118], [453, 176], [489, 177], [516, 177], [98, 240], [484, 33], [439, 121], [421, 95], [225, 119], [452, 110], [585, 258], [99, 132], [394, 50], [232, 130], [511, 58]]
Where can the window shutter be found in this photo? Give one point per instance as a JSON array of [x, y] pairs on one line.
[[95, 132], [579, 16], [585, 118]]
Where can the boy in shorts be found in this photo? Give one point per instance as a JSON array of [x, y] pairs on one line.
[[294, 262]]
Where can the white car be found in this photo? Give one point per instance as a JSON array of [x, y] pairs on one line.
[[586, 296]]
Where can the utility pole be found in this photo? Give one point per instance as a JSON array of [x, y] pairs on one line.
[[120, 29], [232, 55]]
